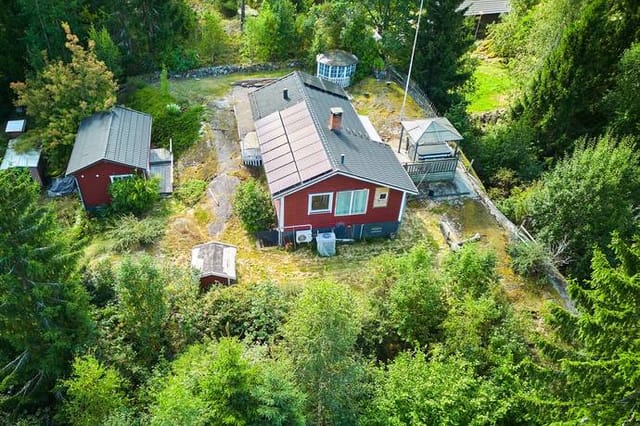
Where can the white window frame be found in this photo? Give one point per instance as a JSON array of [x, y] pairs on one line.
[[320, 194], [115, 178], [352, 191], [380, 201]]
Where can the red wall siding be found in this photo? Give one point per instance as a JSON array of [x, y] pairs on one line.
[[94, 182], [296, 205]]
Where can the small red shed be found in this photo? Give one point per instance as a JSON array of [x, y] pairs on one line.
[[109, 146], [216, 263], [325, 171]]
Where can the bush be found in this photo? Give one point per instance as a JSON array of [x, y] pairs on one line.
[[131, 233], [253, 206], [529, 259], [181, 125], [135, 195], [190, 192], [228, 8]]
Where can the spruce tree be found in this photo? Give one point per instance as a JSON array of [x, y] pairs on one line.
[[442, 66], [43, 309], [600, 375]]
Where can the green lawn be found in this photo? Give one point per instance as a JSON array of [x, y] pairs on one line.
[[493, 85]]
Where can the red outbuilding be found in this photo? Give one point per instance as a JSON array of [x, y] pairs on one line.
[[325, 170], [113, 145]]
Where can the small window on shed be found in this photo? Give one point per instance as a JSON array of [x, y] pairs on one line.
[[382, 197], [115, 178]]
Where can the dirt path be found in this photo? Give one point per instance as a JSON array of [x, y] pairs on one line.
[[225, 142]]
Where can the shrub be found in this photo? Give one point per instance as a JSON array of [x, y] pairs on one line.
[[181, 125], [135, 195], [228, 8], [130, 233], [190, 192], [253, 206], [530, 258]]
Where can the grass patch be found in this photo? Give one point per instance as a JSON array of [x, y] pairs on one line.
[[493, 85], [297, 268], [382, 102], [205, 90]]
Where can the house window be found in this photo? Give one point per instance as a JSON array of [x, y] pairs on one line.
[[381, 198], [119, 177], [351, 202], [320, 203]]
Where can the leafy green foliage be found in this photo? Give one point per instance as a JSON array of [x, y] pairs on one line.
[[142, 307], [44, 314], [320, 336], [472, 270], [93, 392], [254, 314], [99, 280], [219, 383], [252, 204], [563, 101], [586, 197], [271, 36], [191, 191], [600, 377], [183, 129], [417, 391], [228, 8], [442, 68], [213, 43], [134, 195], [620, 101], [529, 258], [416, 302], [79, 87], [106, 50], [131, 233]]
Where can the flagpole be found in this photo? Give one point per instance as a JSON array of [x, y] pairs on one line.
[[413, 52]]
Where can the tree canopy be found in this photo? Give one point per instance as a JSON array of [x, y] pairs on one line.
[[44, 312], [62, 94]]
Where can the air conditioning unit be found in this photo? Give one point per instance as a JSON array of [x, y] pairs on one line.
[[304, 236]]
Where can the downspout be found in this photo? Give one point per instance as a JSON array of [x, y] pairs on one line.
[[403, 204], [281, 223]]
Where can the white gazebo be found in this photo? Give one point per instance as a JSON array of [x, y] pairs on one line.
[[336, 66]]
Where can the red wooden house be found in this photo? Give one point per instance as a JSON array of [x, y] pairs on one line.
[[324, 171], [113, 145]]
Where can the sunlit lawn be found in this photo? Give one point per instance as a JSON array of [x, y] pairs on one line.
[[493, 85]]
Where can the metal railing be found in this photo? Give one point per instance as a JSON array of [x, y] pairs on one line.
[[414, 91]]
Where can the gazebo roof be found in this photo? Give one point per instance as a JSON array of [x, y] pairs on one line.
[[337, 57], [431, 131]]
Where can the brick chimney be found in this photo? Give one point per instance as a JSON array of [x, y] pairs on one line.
[[335, 119]]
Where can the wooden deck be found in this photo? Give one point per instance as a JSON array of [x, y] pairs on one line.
[[432, 170]]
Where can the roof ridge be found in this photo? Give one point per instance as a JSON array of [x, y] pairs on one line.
[[108, 137]]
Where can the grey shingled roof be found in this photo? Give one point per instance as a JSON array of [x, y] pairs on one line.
[[484, 7], [363, 158], [120, 135]]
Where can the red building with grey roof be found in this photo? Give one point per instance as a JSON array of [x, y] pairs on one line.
[[324, 171], [112, 145]]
